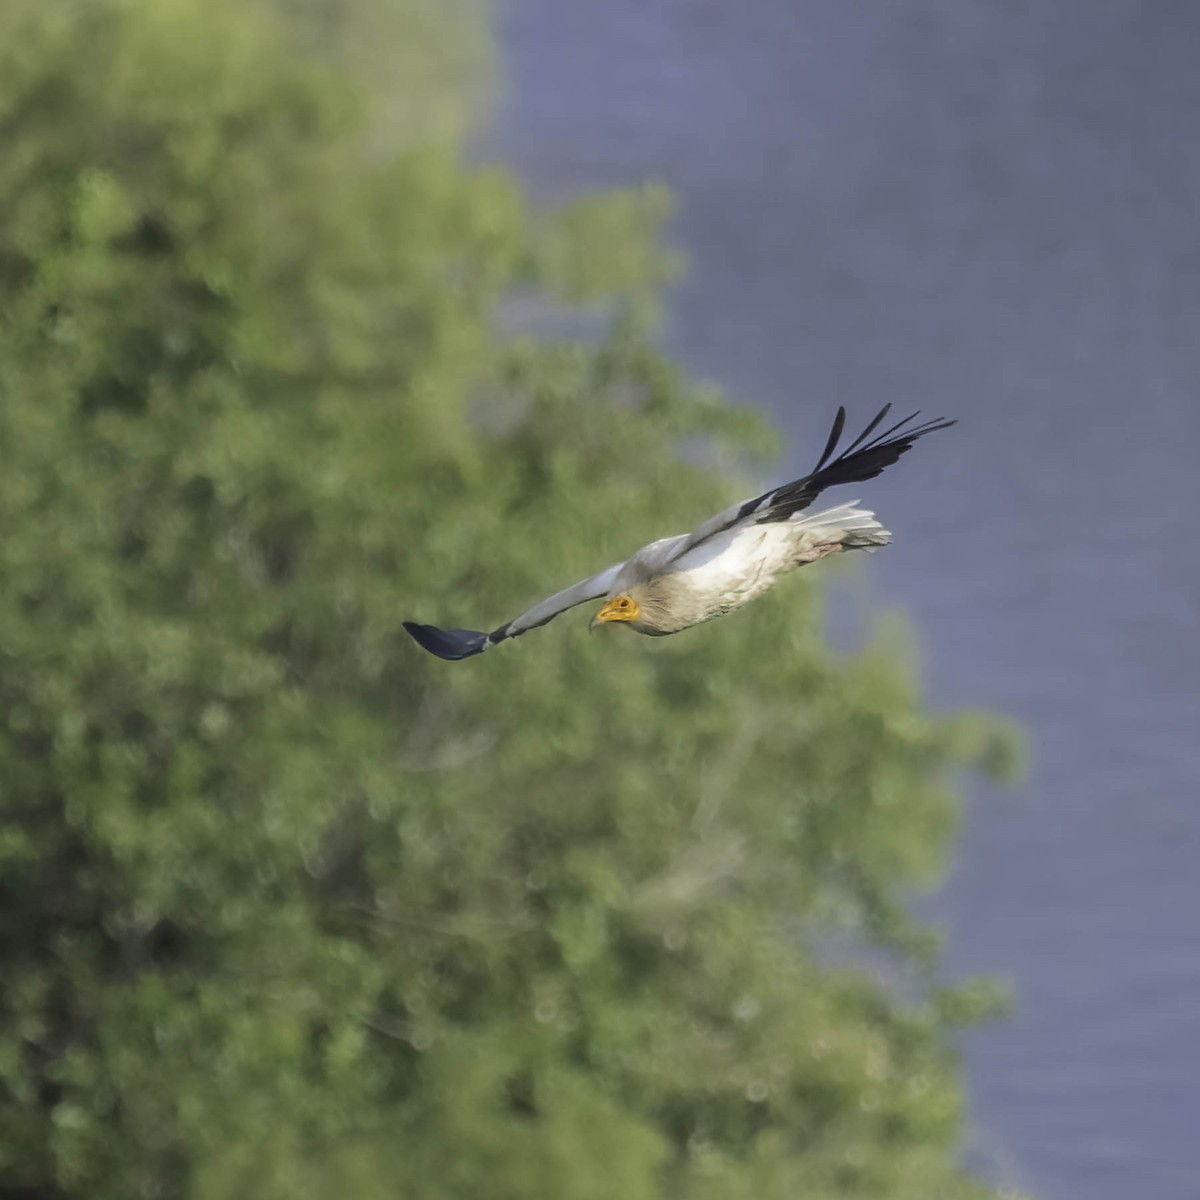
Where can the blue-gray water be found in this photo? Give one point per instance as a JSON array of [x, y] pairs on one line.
[[987, 209]]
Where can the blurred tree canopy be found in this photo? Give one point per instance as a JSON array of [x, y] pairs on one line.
[[290, 909]]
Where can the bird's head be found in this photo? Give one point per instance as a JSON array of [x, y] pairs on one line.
[[617, 608]]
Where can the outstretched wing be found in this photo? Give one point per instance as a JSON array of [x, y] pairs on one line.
[[454, 644], [861, 460]]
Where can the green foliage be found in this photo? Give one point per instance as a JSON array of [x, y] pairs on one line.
[[288, 908]]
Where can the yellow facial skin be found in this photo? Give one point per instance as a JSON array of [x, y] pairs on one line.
[[619, 608]]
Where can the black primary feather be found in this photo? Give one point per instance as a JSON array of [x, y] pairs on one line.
[[862, 437], [860, 461], [450, 644], [839, 423]]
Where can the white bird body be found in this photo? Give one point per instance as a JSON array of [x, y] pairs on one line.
[[726, 571], [677, 582]]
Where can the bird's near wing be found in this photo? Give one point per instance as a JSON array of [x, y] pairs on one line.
[[861, 460], [454, 644]]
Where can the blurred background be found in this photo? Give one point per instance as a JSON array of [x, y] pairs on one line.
[[316, 317], [985, 210]]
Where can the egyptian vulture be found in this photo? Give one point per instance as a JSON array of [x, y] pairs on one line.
[[677, 582]]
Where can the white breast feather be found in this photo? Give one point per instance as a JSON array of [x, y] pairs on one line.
[[737, 565]]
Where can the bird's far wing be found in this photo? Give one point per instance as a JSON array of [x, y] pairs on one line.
[[861, 460], [454, 644]]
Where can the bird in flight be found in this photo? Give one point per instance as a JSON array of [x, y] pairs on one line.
[[677, 582]]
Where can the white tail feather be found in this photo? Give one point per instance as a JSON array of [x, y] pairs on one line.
[[858, 528]]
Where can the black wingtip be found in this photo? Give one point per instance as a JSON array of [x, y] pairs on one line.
[[450, 644], [839, 423]]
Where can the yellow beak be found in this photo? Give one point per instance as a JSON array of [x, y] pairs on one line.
[[611, 612]]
